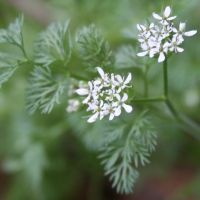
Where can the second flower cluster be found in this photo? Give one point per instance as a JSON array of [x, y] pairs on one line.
[[106, 96]]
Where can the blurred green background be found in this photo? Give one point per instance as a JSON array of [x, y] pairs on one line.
[[42, 156]]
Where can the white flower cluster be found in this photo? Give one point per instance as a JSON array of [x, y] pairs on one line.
[[105, 95], [163, 39]]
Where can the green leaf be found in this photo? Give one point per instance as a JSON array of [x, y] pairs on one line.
[[8, 65], [126, 145], [94, 50], [50, 44], [6, 74], [44, 91], [13, 34]]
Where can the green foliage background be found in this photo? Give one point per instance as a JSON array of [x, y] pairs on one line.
[[48, 155]]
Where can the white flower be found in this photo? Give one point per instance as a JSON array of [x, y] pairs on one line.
[[109, 109], [145, 30], [179, 33], [120, 103], [110, 94], [73, 105], [157, 40], [98, 111], [162, 50], [121, 83], [104, 78], [165, 16], [148, 48], [104, 95], [90, 92], [174, 45]]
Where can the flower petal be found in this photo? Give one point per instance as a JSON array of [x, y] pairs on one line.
[[167, 11], [127, 108], [128, 79], [171, 18], [93, 118], [117, 96], [119, 78], [124, 98], [190, 33], [111, 116], [161, 57], [181, 26], [144, 53], [141, 27], [118, 111], [156, 16], [101, 72], [82, 91], [179, 49], [86, 100]]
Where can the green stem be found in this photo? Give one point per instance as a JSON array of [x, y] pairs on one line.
[[172, 109], [165, 78], [152, 99], [184, 123], [145, 81]]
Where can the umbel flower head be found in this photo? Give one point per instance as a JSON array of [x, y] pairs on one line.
[[106, 95], [163, 39]]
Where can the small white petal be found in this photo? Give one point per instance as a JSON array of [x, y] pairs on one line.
[[161, 57], [119, 78], [118, 111], [141, 40], [181, 26], [97, 82], [128, 79], [143, 53], [179, 49], [93, 118], [167, 11], [85, 101], [141, 27], [171, 18], [117, 96], [156, 16], [190, 33], [125, 97], [174, 30], [101, 116], [101, 72], [167, 44], [151, 25], [90, 85], [151, 53], [82, 91], [111, 116], [127, 108]]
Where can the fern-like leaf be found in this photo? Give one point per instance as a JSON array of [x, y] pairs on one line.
[[44, 91], [94, 50]]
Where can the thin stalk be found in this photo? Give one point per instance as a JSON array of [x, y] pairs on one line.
[[145, 81], [152, 99], [165, 78], [172, 109]]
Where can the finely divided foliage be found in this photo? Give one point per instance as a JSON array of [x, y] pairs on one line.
[[44, 91], [13, 34], [9, 63], [95, 51], [129, 145], [50, 44]]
